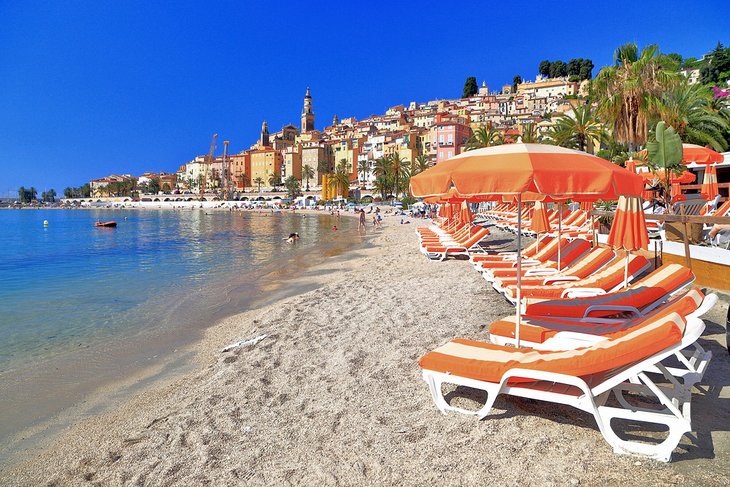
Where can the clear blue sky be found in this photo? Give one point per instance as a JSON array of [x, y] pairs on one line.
[[89, 88]]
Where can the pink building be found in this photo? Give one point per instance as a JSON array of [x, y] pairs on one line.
[[449, 135]]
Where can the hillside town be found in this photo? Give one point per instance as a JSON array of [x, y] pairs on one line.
[[424, 133], [348, 155]]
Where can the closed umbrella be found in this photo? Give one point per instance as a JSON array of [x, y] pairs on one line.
[[628, 230], [709, 184], [521, 169]]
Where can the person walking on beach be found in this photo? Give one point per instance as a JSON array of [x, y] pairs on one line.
[[361, 225]]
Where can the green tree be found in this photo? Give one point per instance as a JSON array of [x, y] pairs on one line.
[[665, 152], [717, 67], [340, 180], [689, 110], [529, 133], [516, 81], [68, 192], [32, 193], [166, 187], [483, 136], [49, 196], [383, 170], [577, 130], [629, 92], [274, 180], [23, 195], [586, 69], [258, 182], [470, 87], [85, 191], [293, 188], [574, 66], [421, 163], [153, 186], [363, 169], [307, 173], [399, 167], [544, 68], [558, 69]]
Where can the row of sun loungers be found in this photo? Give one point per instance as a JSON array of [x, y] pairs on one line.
[[598, 333]]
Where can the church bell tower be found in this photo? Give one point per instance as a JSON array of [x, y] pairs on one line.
[[264, 134], [307, 113]]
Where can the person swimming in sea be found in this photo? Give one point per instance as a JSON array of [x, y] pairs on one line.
[[293, 237]]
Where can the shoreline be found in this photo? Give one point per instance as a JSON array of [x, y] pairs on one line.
[[333, 395], [173, 357]]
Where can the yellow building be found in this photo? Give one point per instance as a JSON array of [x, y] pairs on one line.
[[329, 192], [264, 162], [293, 161]]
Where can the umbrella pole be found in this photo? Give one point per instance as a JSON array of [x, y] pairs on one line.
[[519, 269], [626, 269], [560, 230]]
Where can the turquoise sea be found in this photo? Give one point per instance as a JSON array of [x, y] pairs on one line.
[[81, 306]]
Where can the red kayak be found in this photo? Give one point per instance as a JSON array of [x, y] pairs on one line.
[[106, 224]]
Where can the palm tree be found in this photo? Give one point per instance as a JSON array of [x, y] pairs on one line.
[[400, 170], [382, 168], [258, 182], [340, 180], [307, 173], [689, 109], [274, 180], [363, 170], [629, 92], [484, 136], [576, 131], [421, 163], [292, 186], [529, 133]]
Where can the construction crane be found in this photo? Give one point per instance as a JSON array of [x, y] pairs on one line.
[[226, 172], [207, 166]]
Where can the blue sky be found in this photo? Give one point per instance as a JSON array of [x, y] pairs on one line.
[[93, 88]]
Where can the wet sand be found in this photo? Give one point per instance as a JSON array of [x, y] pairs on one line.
[[333, 396]]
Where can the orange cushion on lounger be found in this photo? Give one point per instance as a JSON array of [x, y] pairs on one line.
[[663, 281], [536, 329], [489, 362]]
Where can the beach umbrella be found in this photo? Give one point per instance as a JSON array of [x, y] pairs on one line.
[[700, 155], [709, 184], [465, 213], [631, 165], [523, 169], [675, 192], [628, 230], [540, 222]]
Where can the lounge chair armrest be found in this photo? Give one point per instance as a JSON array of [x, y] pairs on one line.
[[528, 262], [507, 254], [549, 280], [610, 307], [580, 292], [541, 271]]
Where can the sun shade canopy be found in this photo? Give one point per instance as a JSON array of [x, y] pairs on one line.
[[514, 169]]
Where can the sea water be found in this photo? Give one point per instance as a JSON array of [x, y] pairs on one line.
[[81, 305]]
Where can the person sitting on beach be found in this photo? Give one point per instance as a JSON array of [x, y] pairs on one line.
[[404, 222]]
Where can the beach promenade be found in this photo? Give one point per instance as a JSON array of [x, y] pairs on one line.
[[333, 396]]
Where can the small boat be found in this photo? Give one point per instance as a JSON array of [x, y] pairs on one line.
[[106, 224]]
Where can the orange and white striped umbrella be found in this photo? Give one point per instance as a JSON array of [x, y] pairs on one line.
[[630, 165], [709, 184], [675, 191], [628, 230], [540, 222], [465, 214], [521, 168], [700, 155]]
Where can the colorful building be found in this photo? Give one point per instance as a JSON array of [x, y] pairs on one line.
[[265, 161], [449, 136]]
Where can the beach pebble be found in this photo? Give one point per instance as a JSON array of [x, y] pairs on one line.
[[247, 429], [574, 482], [637, 463]]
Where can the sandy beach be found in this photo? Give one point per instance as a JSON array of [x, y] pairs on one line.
[[333, 396]]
